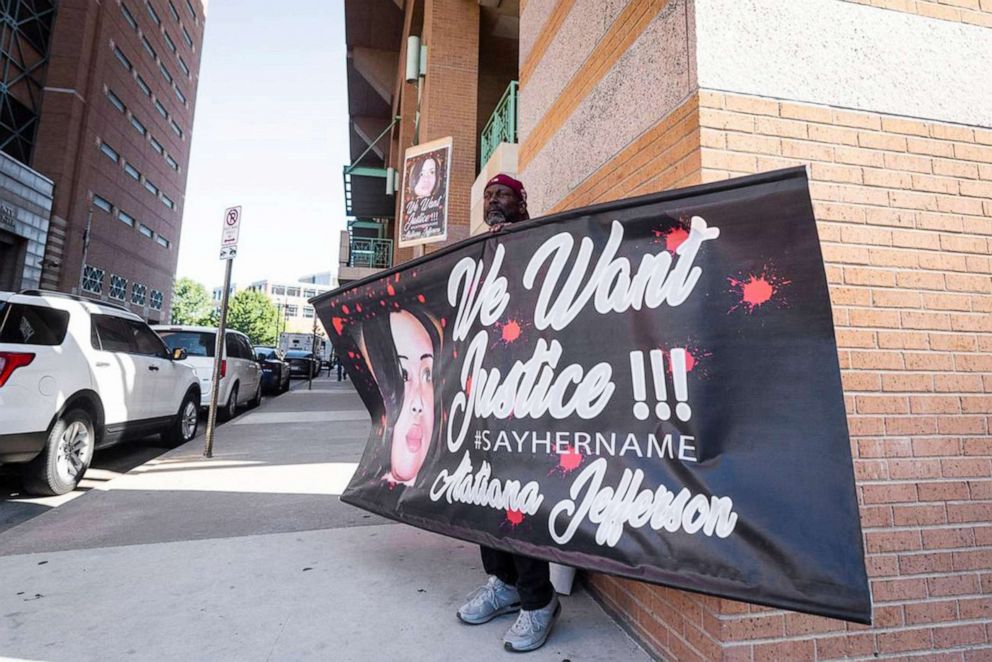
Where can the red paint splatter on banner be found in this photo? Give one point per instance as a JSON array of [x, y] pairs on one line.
[[338, 325], [358, 307], [421, 298], [755, 290], [690, 361], [444, 323], [345, 309], [674, 239], [382, 303], [468, 385], [511, 331], [397, 279], [570, 461], [351, 355], [514, 517], [390, 290]]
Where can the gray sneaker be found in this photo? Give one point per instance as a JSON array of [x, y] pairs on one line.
[[532, 628], [492, 599]]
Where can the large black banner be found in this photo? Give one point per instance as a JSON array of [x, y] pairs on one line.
[[647, 388]]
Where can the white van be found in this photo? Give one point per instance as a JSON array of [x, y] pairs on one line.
[[240, 373]]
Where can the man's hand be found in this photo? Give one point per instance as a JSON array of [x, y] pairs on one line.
[[496, 227]]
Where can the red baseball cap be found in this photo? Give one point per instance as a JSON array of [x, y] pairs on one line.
[[510, 182]]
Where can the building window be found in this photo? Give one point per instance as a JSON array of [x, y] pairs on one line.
[[167, 201], [138, 294], [175, 128], [292, 291], [172, 10], [145, 230], [157, 146], [138, 125], [172, 163], [308, 311], [151, 188], [110, 152], [144, 86], [292, 311], [168, 42], [116, 102], [156, 300], [165, 72], [161, 241], [129, 17], [118, 287], [153, 13], [180, 95], [102, 203], [132, 172], [92, 279], [278, 290], [309, 294], [187, 38], [122, 58], [184, 67], [192, 11], [125, 218], [148, 47], [161, 109]]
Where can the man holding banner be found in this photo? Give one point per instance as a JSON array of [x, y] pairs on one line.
[[647, 388], [515, 582]]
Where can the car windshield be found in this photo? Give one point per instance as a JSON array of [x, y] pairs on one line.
[[196, 343], [297, 354]]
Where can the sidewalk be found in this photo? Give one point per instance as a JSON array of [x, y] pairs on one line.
[[250, 556]]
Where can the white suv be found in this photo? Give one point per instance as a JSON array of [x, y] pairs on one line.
[[240, 372], [78, 375]]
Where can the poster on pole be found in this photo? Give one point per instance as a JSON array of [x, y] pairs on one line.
[[648, 388], [230, 233], [424, 202]]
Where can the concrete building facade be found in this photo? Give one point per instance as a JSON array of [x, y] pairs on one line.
[[113, 107], [888, 105], [25, 207]]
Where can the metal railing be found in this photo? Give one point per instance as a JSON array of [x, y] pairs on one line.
[[370, 253], [502, 125]]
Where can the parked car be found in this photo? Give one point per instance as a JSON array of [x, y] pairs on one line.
[[302, 364], [78, 375], [275, 371], [240, 374]]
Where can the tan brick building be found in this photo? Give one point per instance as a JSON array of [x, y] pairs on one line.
[[888, 103], [107, 115]]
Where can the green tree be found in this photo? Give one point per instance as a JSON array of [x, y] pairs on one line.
[[253, 314], [190, 303]]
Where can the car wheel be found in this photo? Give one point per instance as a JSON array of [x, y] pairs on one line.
[[65, 458], [183, 429], [231, 408], [257, 400]]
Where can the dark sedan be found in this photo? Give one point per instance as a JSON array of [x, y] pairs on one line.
[[302, 363], [275, 371]]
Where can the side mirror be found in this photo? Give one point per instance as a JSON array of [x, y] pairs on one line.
[[179, 354]]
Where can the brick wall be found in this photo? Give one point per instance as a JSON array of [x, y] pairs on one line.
[[904, 212], [973, 12]]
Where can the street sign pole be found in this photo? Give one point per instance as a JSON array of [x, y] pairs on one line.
[[208, 450], [228, 251], [313, 350]]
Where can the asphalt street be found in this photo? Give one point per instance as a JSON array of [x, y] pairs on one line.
[[250, 555]]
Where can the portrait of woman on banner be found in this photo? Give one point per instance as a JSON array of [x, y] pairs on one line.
[[401, 350]]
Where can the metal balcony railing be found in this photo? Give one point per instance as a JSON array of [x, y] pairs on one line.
[[370, 253], [502, 125]]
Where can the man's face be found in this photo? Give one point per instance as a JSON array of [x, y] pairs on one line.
[[501, 205]]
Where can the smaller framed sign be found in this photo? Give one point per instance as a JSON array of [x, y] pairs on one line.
[[424, 205]]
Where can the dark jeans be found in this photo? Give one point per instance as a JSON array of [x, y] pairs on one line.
[[532, 577]]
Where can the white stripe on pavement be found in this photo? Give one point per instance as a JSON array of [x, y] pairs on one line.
[[301, 417]]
